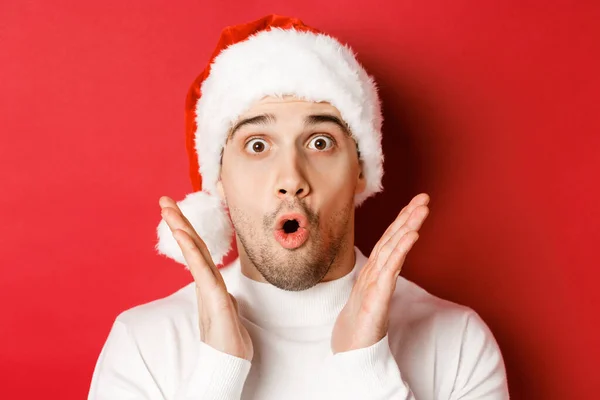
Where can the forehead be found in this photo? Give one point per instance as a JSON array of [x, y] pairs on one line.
[[289, 105]]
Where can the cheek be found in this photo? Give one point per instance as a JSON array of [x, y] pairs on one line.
[[334, 176], [243, 182]]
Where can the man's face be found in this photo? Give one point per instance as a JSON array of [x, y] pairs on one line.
[[289, 175]]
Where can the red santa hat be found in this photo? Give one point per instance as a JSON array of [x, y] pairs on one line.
[[272, 56]]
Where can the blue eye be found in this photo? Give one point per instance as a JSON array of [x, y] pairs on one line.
[[321, 143], [257, 146]]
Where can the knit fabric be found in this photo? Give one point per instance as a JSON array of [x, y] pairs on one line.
[[434, 349]]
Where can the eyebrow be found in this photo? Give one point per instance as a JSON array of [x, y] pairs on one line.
[[263, 119], [309, 121], [317, 119]]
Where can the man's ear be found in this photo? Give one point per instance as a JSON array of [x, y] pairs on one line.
[[361, 183]]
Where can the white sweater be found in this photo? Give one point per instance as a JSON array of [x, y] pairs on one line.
[[434, 349]]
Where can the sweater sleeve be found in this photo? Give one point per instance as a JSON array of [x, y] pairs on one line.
[[372, 372], [481, 374], [122, 373], [369, 373]]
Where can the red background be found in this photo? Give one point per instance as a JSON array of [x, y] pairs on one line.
[[490, 107]]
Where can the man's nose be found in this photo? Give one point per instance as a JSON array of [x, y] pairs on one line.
[[291, 179]]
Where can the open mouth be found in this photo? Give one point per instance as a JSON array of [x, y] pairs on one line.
[[291, 231], [290, 226], [291, 222]]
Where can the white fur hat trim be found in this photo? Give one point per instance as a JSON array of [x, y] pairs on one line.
[[314, 67], [210, 220], [277, 62]]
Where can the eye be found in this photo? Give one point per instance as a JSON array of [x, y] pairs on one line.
[[321, 143], [256, 146]]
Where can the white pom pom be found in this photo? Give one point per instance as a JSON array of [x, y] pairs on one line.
[[208, 217]]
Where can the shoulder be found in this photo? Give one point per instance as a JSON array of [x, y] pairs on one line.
[[172, 313], [430, 336], [426, 327], [175, 314], [414, 310]]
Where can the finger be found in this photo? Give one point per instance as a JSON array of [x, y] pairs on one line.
[[420, 199], [366, 274], [175, 219], [200, 300], [378, 260], [389, 275], [182, 216], [414, 223], [167, 203], [203, 275]]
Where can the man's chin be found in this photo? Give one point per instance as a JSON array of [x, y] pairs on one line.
[[291, 269]]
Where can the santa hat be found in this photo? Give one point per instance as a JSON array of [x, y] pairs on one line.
[[274, 56]]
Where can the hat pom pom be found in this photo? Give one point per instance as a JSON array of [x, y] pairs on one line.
[[210, 220]]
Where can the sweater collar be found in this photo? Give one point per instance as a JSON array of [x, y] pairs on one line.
[[268, 305]]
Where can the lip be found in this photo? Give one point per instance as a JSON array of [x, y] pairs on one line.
[[294, 240], [301, 219]]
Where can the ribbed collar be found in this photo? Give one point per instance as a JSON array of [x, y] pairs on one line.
[[268, 305]]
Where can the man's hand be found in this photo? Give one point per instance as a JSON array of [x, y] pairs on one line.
[[220, 326], [364, 319]]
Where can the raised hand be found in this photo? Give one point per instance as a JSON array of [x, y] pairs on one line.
[[364, 319], [219, 322]]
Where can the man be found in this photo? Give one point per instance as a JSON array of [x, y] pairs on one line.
[[284, 126]]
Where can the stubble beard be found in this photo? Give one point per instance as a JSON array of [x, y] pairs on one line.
[[301, 268]]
